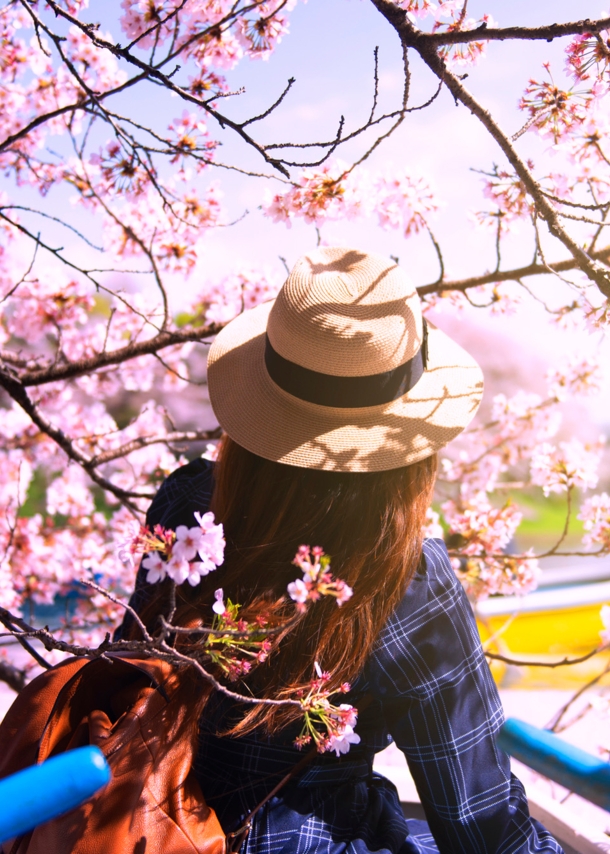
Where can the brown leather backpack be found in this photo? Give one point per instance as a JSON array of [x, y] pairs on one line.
[[128, 708]]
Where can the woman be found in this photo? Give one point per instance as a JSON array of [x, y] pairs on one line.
[[334, 400]]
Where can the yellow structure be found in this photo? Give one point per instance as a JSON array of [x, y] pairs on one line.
[[545, 626]]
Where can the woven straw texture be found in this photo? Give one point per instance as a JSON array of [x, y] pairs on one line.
[[345, 313]]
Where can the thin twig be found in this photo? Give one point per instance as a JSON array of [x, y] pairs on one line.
[[564, 662], [553, 724]]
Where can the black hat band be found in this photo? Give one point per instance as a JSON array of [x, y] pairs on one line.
[[347, 392]]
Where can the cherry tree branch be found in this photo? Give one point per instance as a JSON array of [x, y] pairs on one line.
[[149, 647], [155, 74], [554, 723], [563, 662], [411, 37], [18, 393], [173, 438], [88, 364], [13, 676], [544, 33], [513, 274]]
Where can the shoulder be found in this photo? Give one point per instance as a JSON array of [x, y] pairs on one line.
[[434, 590], [186, 490], [432, 635]]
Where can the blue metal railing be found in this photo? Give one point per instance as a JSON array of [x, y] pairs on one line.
[[542, 750], [45, 791]]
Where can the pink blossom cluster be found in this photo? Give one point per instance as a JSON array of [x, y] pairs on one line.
[[484, 529], [518, 425], [483, 533], [582, 146], [554, 111], [403, 202], [595, 516], [579, 375], [258, 35], [318, 195], [522, 422], [317, 579], [67, 540], [469, 53], [336, 721], [509, 197], [455, 13], [432, 527], [31, 86], [145, 213], [575, 117], [569, 465], [207, 31], [588, 55], [170, 225], [400, 200], [509, 575], [189, 134], [173, 554], [48, 558], [480, 530], [223, 300], [235, 645]]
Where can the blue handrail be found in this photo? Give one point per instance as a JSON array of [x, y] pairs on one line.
[[577, 770], [45, 791]]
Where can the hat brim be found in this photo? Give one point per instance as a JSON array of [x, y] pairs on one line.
[[270, 422]]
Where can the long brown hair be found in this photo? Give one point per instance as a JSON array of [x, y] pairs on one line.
[[369, 523]]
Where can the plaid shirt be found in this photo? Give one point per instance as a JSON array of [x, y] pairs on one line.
[[433, 695]]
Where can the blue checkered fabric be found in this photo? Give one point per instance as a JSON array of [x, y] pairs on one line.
[[433, 695]]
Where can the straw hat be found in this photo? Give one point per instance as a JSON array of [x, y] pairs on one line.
[[340, 371]]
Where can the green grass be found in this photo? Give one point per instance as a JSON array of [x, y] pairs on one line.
[[544, 519]]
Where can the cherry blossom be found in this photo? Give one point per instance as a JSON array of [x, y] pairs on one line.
[[523, 421], [188, 134], [595, 515], [259, 35], [487, 576], [417, 8], [318, 195], [172, 554], [588, 53], [211, 451], [469, 53], [219, 606], [510, 198], [153, 198], [403, 202], [483, 527], [222, 301], [568, 465], [317, 580], [212, 544], [553, 111], [188, 542], [155, 566], [298, 591], [139, 19], [432, 528], [580, 375], [343, 740]]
